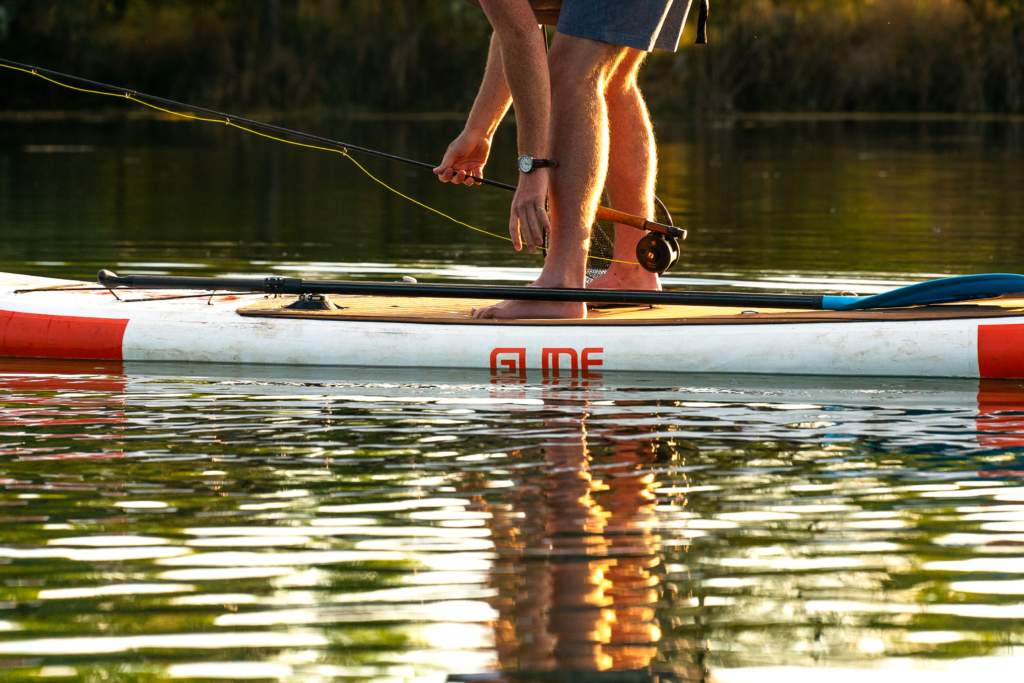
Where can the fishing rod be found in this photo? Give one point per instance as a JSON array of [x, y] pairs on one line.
[[603, 213], [945, 290], [231, 118]]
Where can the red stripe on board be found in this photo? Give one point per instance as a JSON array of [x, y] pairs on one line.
[[30, 335], [1001, 351]]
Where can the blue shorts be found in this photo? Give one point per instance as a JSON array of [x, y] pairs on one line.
[[642, 24]]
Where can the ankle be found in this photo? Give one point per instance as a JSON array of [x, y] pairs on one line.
[[558, 282]]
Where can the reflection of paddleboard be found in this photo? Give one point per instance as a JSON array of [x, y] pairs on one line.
[[981, 339], [947, 414]]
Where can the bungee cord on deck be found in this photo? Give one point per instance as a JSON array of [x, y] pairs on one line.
[[229, 120]]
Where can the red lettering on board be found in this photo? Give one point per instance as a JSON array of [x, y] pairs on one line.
[[549, 360], [513, 365], [30, 335], [1001, 351], [506, 362]]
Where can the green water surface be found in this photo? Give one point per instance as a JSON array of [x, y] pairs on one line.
[[198, 522]]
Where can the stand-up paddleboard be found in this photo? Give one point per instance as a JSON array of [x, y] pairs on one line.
[[974, 338]]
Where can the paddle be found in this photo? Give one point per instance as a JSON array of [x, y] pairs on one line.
[[947, 290], [944, 291]]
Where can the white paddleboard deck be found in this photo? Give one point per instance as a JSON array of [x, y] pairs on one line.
[[978, 340]]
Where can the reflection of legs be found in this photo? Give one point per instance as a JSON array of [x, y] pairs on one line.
[[521, 635], [578, 617], [580, 72], [629, 503], [576, 576], [631, 171]]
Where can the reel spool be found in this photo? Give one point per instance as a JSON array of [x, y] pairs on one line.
[[657, 253]]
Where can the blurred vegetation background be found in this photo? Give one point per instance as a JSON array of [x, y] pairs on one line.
[[427, 55]]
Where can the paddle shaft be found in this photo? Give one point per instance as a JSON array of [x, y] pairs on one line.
[[603, 213], [291, 285]]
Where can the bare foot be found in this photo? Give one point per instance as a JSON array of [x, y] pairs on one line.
[[532, 310], [622, 276]]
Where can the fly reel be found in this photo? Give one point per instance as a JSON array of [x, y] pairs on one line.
[[657, 253]]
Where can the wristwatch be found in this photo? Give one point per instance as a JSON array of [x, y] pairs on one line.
[[528, 163]]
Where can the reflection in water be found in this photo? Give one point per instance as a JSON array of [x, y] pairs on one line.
[[578, 563], [220, 522], [901, 199], [1000, 423]]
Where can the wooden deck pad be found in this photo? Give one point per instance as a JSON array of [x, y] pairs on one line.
[[458, 312]]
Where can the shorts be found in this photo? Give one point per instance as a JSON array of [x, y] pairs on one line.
[[641, 24]]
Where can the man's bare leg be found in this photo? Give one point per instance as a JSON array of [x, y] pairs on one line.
[[580, 72], [632, 171]]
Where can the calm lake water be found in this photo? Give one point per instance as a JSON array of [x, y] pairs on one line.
[[162, 521]]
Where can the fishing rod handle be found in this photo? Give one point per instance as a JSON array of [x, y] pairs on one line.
[[111, 280], [613, 216], [610, 215]]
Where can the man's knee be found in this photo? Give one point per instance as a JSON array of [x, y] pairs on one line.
[[622, 81]]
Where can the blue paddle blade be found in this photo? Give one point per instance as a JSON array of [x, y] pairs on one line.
[[944, 291]]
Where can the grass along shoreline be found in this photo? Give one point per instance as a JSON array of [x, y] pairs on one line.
[[832, 56]]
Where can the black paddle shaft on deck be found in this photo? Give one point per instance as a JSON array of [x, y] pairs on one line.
[[293, 285]]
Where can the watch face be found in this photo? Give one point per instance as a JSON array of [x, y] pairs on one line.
[[526, 163]]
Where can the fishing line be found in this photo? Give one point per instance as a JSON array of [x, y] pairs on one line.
[[229, 120]]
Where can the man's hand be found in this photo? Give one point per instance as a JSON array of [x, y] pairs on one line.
[[529, 215], [466, 157]]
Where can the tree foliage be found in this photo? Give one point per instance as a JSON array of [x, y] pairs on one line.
[[400, 55], [384, 54], [853, 55]]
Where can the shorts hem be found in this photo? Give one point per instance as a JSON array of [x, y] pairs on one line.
[[612, 37]]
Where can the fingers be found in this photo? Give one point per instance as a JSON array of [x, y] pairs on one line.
[[528, 224], [463, 159], [444, 169], [538, 224], [528, 221], [545, 220], [457, 176], [513, 231]]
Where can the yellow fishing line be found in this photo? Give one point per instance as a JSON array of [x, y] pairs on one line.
[[430, 208], [228, 122]]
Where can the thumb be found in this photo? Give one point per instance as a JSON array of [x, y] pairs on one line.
[[446, 162]]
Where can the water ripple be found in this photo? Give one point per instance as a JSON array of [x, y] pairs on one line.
[[288, 523]]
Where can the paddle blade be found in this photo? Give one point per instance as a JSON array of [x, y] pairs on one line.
[[944, 291]]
